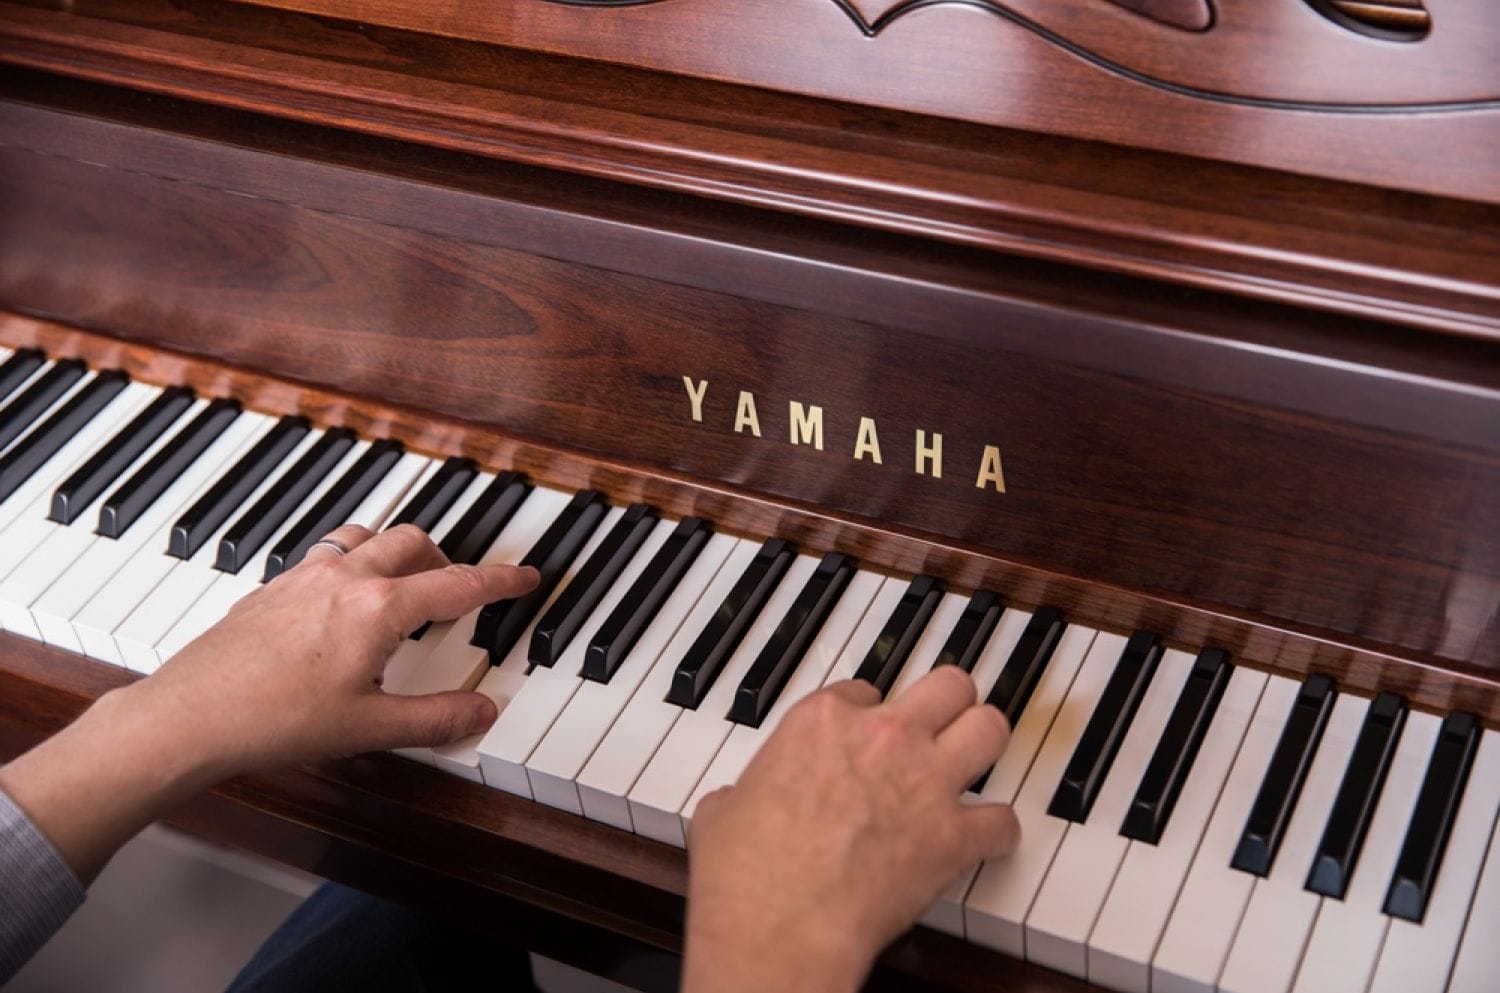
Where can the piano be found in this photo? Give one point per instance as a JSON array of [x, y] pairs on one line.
[[1142, 356]]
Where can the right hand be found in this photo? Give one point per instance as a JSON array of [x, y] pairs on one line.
[[840, 833]]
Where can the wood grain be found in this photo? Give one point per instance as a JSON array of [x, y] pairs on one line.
[[1121, 206]]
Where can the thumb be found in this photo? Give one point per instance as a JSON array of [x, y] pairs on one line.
[[434, 719]]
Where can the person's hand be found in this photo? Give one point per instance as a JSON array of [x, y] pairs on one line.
[[841, 831], [291, 675]]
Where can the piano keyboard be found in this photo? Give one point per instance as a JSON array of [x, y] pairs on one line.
[[1189, 825]]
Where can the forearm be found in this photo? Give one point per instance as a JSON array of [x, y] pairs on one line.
[[127, 760]]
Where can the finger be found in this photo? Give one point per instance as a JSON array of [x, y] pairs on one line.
[[855, 691], [704, 812], [393, 721], [338, 542], [454, 590], [401, 551], [933, 701], [987, 831], [972, 744]]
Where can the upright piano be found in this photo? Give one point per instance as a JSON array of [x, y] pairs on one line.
[[1141, 355]]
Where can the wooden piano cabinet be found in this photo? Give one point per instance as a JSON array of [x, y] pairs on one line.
[[1205, 309]]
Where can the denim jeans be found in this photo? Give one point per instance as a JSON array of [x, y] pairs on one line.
[[343, 940]]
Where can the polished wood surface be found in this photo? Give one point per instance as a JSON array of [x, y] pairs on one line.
[[1269, 82], [1220, 282], [1335, 247], [1334, 477]]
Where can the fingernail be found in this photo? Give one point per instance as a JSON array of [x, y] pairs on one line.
[[484, 715]]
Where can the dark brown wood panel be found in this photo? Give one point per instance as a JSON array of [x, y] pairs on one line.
[[1368, 251], [1146, 447], [1268, 83]]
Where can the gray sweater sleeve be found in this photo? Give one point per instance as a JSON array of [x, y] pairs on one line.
[[38, 892]]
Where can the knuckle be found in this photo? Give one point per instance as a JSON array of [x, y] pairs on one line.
[[370, 597], [470, 578]]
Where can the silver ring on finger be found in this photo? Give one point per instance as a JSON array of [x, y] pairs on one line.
[[331, 543]]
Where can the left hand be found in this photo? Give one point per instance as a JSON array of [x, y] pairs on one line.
[[293, 673]]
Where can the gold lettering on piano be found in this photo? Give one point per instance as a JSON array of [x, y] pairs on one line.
[[745, 416], [867, 442], [806, 423], [930, 453], [805, 427], [990, 469], [695, 396]]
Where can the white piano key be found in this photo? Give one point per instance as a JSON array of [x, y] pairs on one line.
[[522, 726], [557, 762], [1417, 958], [1078, 882], [228, 588], [744, 741], [382, 502], [1478, 967], [1208, 910], [454, 664], [1004, 781], [136, 609], [65, 544], [1003, 891], [412, 652], [887, 598], [500, 681], [1346, 939], [686, 752], [55, 609], [24, 512], [1140, 901], [1279, 918], [630, 743], [925, 652]]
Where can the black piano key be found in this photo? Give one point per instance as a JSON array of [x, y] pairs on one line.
[[1432, 819], [256, 525], [136, 495], [757, 692], [618, 634], [1023, 670], [478, 527], [1106, 728], [1028, 660], [1354, 804], [1278, 794], [1149, 811], [891, 649], [501, 624], [33, 451], [102, 468], [31, 403], [437, 495], [198, 523], [19, 368], [972, 632], [334, 506], [701, 665], [568, 612]]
